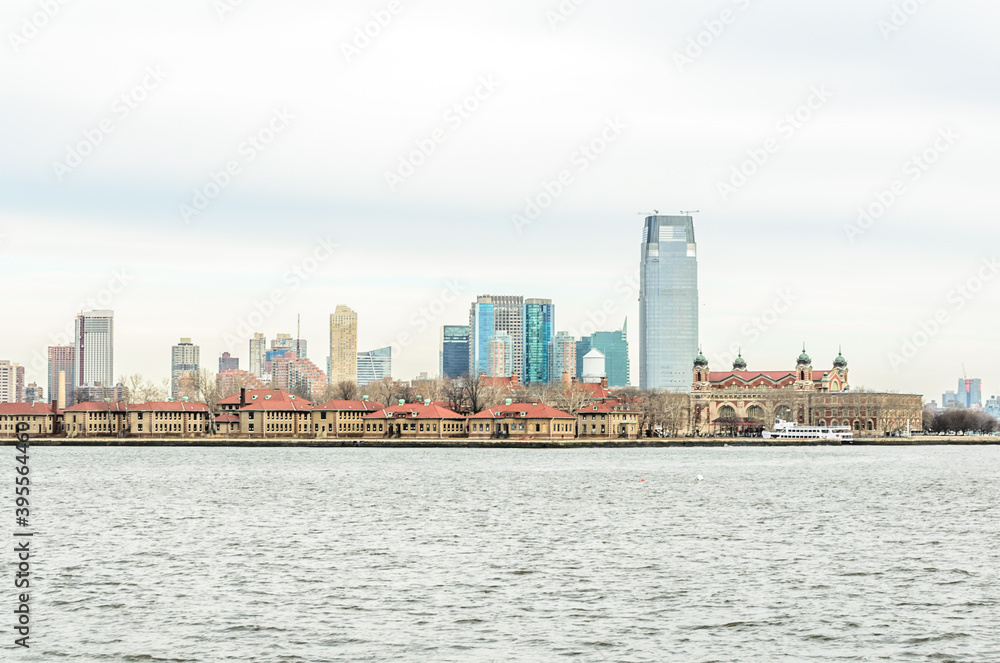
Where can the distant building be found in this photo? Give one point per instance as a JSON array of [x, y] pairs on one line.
[[992, 407], [343, 345], [562, 358], [950, 399], [278, 353], [94, 339], [454, 353], [33, 393], [19, 383], [228, 362], [258, 348], [61, 362], [489, 316], [185, 358], [500, 356], [668, 303], [374, 365], [230, 381], [594, 369], [285, 341], [8, 382], [614, 346], [539, 319], [970, 393]]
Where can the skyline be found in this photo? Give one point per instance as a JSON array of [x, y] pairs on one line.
[[835, 129]]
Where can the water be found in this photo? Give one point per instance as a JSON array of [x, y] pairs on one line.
[[820, 553]]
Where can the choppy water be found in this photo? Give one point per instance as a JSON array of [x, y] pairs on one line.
[[823, 553]]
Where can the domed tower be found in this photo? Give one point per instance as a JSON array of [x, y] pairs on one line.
[[803, 370], [840, 368], [740, 364], [701, 379]]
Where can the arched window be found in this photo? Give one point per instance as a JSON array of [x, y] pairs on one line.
[[756, 412], [783, 412], [871, 426], [727, 412]]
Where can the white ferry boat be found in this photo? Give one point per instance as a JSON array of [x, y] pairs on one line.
[[788, 430]]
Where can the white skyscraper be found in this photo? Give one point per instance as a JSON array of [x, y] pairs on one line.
[[94, 340], [184, 358], [8, 382]]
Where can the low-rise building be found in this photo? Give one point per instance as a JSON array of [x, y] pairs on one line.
[[342, 418], [236, 402], [610, 418], [276, 414], [522, 420], [414, 420], [168, 419], [96, 419], [227, 424], [41, 418]]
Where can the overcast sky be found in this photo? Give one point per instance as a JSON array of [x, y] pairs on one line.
[[117, 117]]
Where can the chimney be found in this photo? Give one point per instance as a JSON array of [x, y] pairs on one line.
[[509, 401], [243, 397], [427, 401], [604, 383], [565, 377], [514, 380]]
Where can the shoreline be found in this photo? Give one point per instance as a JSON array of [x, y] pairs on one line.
[[981, 440]]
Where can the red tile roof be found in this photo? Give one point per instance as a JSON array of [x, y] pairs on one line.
[[91, 406], [227, 418], [530, 410], [748, 376], [415, 411], [168, 406], [254, 395], [21, 409], [351, 406], [606, 406], [278, 405]]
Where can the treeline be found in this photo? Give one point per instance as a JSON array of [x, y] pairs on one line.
[[955, 420]]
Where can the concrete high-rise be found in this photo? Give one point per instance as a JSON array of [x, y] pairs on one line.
[[184, 358], [227, 362], [489, 316], [8, 382], [454, 353], [94, 349], [539, 321], [500, 356], [562, 358], [343, 345], [61, 361], [668, 303], [258, 346]]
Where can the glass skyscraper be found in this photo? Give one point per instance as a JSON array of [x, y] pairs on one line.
[[668, 303], [614, 346], [454, 351], [374, 365], [539, 330]]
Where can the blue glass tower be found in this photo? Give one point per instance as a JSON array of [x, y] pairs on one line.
[[668, 303], [539, 330], [454, 351]]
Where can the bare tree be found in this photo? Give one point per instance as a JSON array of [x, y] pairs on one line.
[[346, 390]]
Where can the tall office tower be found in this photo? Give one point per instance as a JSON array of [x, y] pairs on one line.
[[343, 345], [562, 357], [227, 362], [184, 358], [8, 382], [970, 393], [61, 361], [286, 341], [19, 383], [94, 353], [491, 315], [539, 321], [614, 346], [374, 365], [500, 356], [258, 346], [33, 393], [454, 354], [668, 303]]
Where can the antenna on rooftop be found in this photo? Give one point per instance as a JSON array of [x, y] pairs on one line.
[[655, 212], [697, 211]]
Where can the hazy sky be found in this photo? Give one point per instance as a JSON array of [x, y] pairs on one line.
[[412, 151]]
